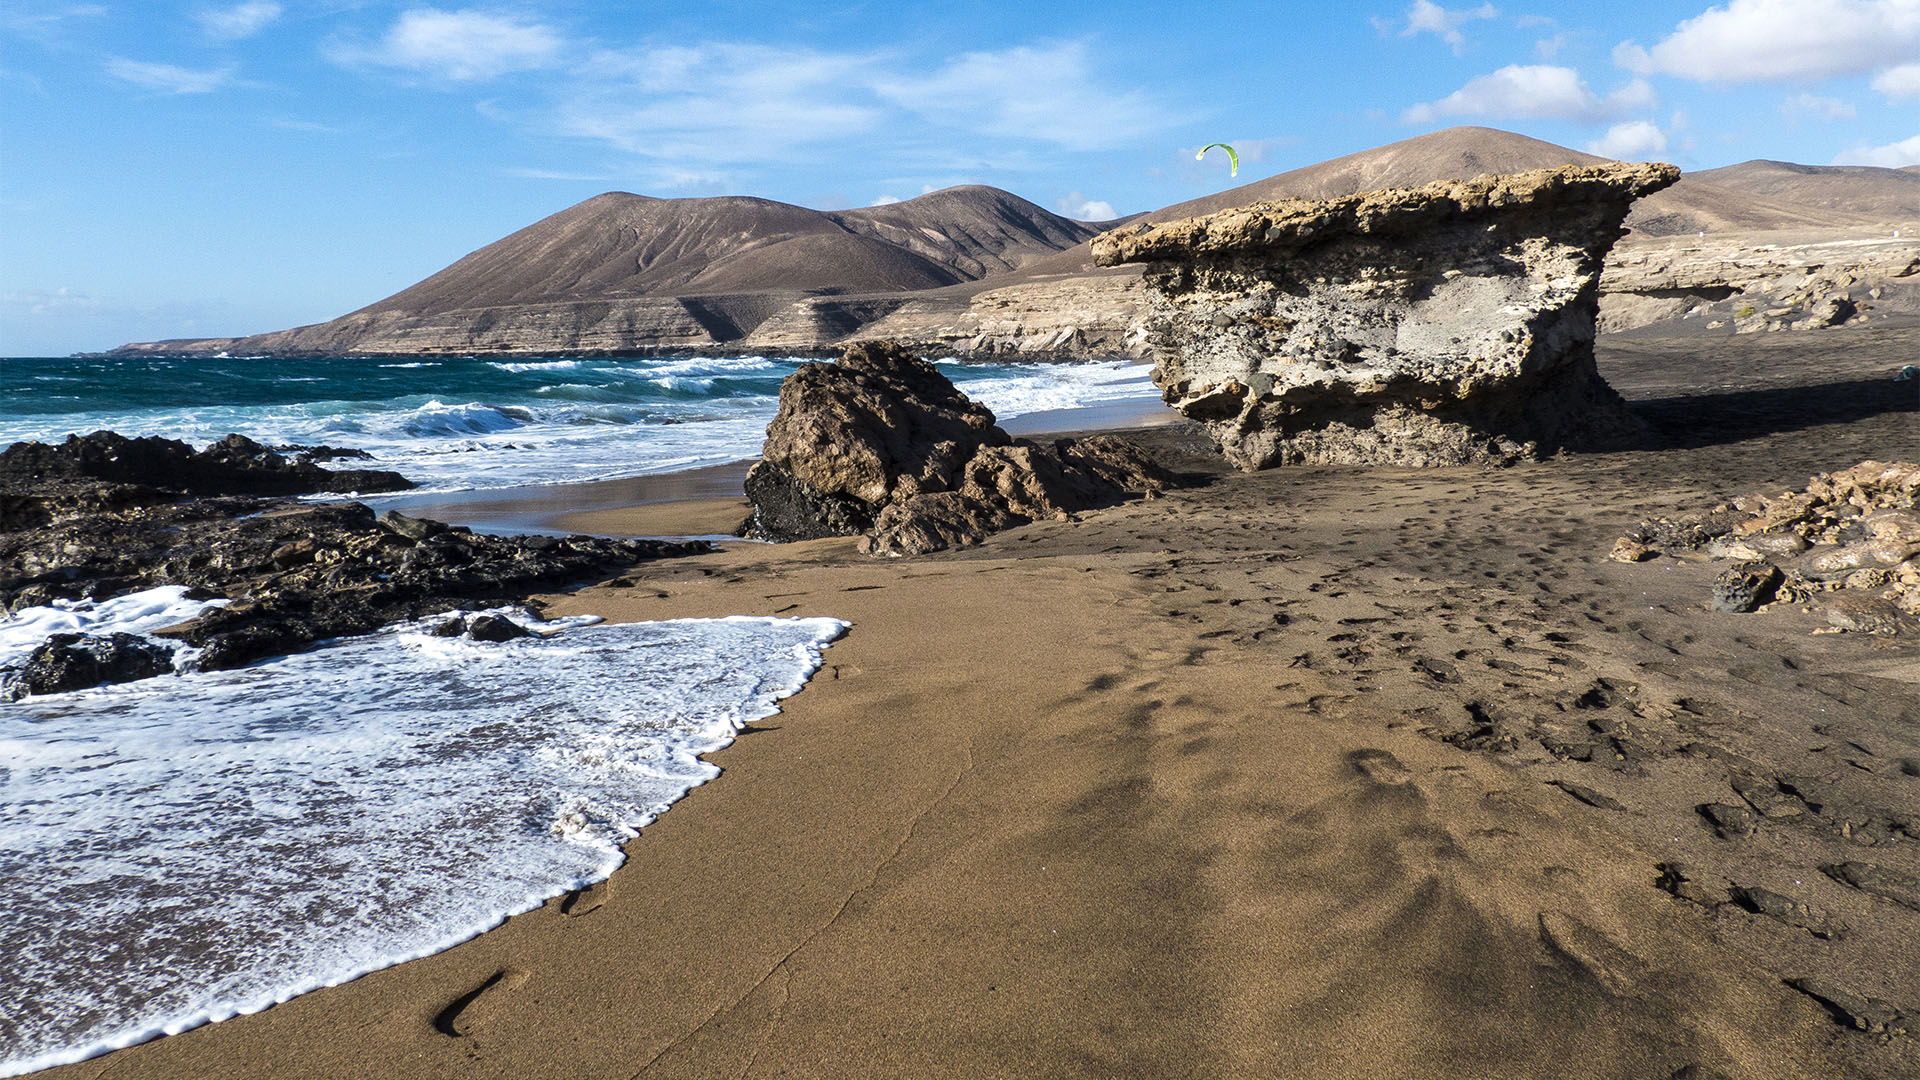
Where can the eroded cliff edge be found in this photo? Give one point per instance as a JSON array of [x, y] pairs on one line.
[[1447, 324]]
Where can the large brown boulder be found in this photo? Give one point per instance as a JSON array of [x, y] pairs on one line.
[[1439, 325], [880, 443]]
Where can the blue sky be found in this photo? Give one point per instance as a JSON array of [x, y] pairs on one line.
[[211, 168]]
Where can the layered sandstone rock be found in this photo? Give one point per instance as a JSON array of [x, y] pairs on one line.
[[1446, 324], [880, 443]]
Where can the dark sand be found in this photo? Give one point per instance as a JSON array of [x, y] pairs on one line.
[[1250, 780]]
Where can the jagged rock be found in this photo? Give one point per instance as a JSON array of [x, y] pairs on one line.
[[495, 628], [881, 443], [236, 465], [1850, 540], [1745, 586], [74, 662], [1438, 325], [297, 573], [851, 436]]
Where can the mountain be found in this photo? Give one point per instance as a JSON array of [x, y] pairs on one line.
[[971, 269], [619, 245], [1892, 194]]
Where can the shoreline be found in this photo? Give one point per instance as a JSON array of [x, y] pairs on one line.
[[600, 507], [1223, 812]]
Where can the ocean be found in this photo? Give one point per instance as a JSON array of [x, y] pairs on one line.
[[191, 847], [465, 423]]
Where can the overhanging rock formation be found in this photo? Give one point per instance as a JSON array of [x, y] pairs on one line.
[[1439, 325]]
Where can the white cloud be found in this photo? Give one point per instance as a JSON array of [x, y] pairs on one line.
[[1534, 91], [168, 78], [1814, 107], [1081, 208], [885, 200], [460, 46], [1045, 93], [1782, 41], [1427, 17], [1899, 83], [1635, 140], [239, 21], [1892, 156]]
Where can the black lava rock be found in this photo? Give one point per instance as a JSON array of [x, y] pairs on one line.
[[73, 662], [1744, 586]]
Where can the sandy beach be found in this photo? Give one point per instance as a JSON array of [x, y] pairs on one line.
[[1252, 779]]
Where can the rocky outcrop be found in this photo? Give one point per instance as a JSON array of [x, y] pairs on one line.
[[93, 519], [42, 482], [880, 443], [1439, 325], [1849, 542], [1754, 282], [74, 662]]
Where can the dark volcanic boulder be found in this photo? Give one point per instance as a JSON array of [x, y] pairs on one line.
[[1440, 325], [881, 443], [73, 662], [851, 436], [236, 465]]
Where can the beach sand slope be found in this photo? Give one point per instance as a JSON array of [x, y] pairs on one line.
[[1257, 779]]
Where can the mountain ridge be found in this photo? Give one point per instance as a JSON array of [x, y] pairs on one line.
[[635, 273]]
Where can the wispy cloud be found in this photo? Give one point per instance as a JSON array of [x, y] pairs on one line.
[[456, 46], [718, 104], [1813, 107], [239, 21], [1758, 41], [1533, 92], [46, 23], [169, 78], [1045, 93], [1427, 17]]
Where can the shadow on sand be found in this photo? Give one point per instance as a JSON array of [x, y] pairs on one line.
[[1695, 420]]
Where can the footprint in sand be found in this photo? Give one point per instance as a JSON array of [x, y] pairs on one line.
[[473, 1011]]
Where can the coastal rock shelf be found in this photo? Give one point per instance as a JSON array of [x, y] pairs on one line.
[[102, 515], [880, 443], [1447, 324]]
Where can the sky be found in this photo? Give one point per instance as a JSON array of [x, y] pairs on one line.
[[210, 168]]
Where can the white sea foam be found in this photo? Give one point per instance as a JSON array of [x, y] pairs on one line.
[[134, 613], [181, 850]]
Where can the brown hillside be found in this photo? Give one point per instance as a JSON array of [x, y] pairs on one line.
[[1892, 194], [620, 245], [974, 230]]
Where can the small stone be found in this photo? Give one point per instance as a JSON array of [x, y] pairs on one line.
[[1745, 586], [1629, 550], [495, 628]]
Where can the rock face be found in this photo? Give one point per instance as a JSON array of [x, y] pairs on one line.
[[881, 443], [1446, 324]]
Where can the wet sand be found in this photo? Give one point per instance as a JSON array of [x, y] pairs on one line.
[[1310, 773]]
